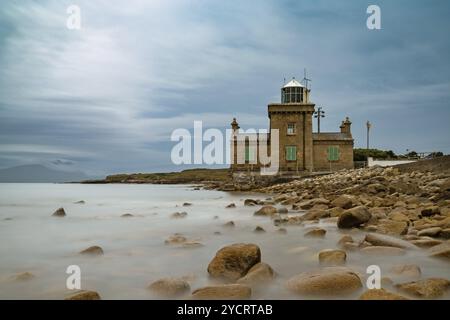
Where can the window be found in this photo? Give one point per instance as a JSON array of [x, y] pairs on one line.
[[291, 153], [250, 153], [333, 153], [291, 128]]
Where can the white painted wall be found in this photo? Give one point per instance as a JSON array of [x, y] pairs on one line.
[[386, 163]]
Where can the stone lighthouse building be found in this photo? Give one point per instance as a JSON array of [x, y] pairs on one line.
[[301, 151]]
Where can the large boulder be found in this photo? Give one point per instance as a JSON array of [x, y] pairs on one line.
[[380, 294], [427, 288], [329, 281], [59, 213], [354, 217], [170, 287], [392, 227], [260, 273], [266, 211], [344, 201], [234, 261], [84, 295], [223, 292]]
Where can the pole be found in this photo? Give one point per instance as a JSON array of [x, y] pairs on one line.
[[368, 124]]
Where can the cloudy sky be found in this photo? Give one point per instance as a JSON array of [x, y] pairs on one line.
[[105, 99]]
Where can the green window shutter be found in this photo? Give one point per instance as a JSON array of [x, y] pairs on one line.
[[250, 153], [291, 153], [247, 153], [333, 153]]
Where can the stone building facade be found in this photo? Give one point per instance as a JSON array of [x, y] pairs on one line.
[[300, 149]]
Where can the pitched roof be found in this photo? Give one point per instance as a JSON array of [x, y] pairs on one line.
[[293, 83]]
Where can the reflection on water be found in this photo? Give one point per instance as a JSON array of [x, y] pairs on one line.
[[135, 253]]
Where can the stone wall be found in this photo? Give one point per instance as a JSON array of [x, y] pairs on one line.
[[321, 162]]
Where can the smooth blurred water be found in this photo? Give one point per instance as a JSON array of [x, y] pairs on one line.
[[135, 252]]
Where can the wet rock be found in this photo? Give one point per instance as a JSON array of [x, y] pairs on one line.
[[231, 205], [260, 273], [383, 251], [23, 276], [329, 281], [426, 242], [386, 226], [259, 229], [59, 213], [445, 233], [387, 241], [80, 202], [229, 224], [84, 295], [428, 288], [223, 292], [407, 270], [92, 251], [170, 287], [217, 233], [314, 214], [316, 233], [282, 231], [178, 215], [345, 239], [354, 217], [332, 257], [344, 201], [430, 211], [308, 204], [266, 211], [380, 294], [441, 251], [335, 212], [234, 261], [283, 210], [175, 239], [250, 202], [192, 244], [127, 215], [430, 232]]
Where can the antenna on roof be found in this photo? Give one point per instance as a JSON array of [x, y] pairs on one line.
[[284, 81], [306, 80]]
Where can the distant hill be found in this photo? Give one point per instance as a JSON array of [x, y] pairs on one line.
[[39, 173]]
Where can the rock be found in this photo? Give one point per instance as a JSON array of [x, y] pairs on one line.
[[84, 295], [398, 216], [308, 204], [187, 204], [430, 232], [386, 226], [354, 217], [445, 233], [316, 232], [383, 251], [223, 292], [175, 239], [335, 212], [93, 251], [380, 294], [24, 276], [231, 205], [430, 211], [283, 210], [314, 214], [260, 273], [170, 287], [234, 261], [282, 230], [192, 244], [426, 242], [345, 239], [179, 215], [332, 257], [59, 213], [441, 251], [329, 281], [80, 202], [259, 229], [387, 241], [250, 202], [127, 215], [217, 233], [375, 188], [266, 211], [407, 270], [344, 201], [428, 288], [229, 224]]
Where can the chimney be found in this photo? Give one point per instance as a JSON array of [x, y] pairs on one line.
[[234, 125], [345, 126]]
